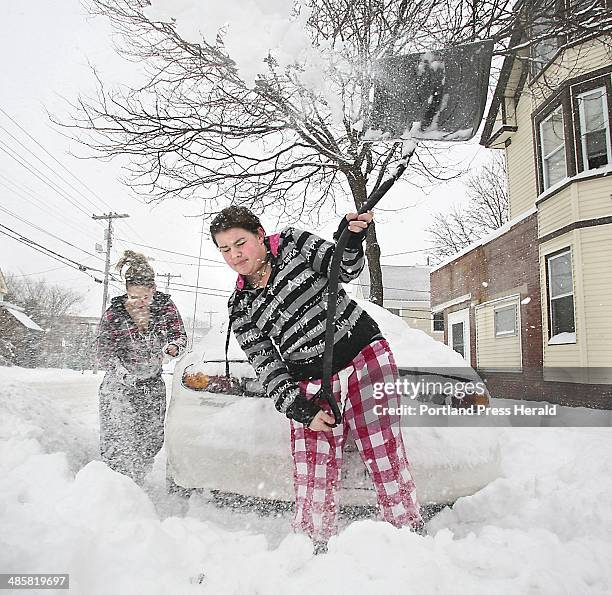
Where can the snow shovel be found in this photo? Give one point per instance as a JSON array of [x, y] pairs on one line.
[[435, 96]]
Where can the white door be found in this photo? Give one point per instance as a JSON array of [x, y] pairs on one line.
[[459, 332]]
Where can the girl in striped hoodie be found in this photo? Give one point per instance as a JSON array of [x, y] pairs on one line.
[[277, 313]]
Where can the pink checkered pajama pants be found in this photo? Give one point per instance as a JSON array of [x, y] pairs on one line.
[[317, 456]]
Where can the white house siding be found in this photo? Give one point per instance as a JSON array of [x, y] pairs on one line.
[[501, 353]]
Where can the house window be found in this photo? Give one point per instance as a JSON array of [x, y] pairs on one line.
[[560, 295], [594, 128], [552, 142], [505, 321], [438, 321], [573, 131], [543, 48]]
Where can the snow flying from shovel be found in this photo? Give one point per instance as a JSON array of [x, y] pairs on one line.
[[436, 95]]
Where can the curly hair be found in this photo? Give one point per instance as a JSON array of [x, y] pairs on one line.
[[138, 272], [234, 216]]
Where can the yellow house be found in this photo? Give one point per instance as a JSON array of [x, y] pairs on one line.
[[551, 115], [531, 305]]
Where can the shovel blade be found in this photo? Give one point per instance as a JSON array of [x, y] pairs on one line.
[[438, 95]]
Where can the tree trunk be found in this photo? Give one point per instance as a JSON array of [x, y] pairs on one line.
[[373, 255], [372, 249]]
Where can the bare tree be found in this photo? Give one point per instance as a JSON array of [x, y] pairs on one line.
[[486, 211], [196, 129], [488, 193], [48, 305], [40, 299]]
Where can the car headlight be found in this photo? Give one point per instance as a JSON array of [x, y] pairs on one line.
[[196, 380], [212, 383]]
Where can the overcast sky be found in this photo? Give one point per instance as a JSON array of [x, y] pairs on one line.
[[45, 49]]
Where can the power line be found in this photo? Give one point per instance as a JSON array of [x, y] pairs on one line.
[[29, 196], [217, 262], [47, 232], [223, 292], [48, 252], [88, 188], [393, 288], [43, 178], [168, 277], [407, 252], [43, 272], [199, 292], [47, 166], [54, 159]]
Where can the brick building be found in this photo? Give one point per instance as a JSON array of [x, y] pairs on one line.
[[530, 305]]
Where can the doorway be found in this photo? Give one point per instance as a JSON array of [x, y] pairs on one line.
[[459, 333]]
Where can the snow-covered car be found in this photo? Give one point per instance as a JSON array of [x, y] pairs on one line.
[[233, 440]]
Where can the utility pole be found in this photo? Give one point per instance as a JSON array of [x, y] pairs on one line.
[[195, 300], [210, 315], [168, 277], [109, 243]]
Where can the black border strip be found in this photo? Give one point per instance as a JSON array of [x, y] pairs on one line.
[[576, 225]]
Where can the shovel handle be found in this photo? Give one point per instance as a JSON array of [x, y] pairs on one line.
[[333, 281]]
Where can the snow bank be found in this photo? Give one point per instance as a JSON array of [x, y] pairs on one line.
[[411, 347], [41, 423], [545, 527]]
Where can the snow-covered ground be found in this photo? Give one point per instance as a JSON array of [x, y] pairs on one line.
[[545, 527]]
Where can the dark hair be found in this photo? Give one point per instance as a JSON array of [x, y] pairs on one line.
[[139, 271], [234, 217]]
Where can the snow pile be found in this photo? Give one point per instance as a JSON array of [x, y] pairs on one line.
[[32, 419], [545, 527], [412, 348]]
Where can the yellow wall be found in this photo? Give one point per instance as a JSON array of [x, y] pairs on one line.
[[414, 317], [592, 270], [595, 198], [522, 180], [596, 248], [522, 188], [581, 200], [556, 211], [572, 63], [496, 352]]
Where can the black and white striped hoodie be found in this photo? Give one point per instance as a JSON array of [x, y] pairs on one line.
[[281, 327]]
